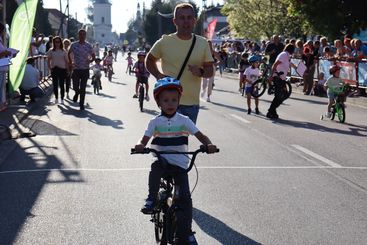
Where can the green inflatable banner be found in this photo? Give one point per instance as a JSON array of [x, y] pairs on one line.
[[20, 39]]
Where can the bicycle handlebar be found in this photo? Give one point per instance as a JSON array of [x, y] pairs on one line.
[[202, 149]]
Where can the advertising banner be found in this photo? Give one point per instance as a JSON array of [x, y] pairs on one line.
[[362, 74], [348, 72], [20, 39]]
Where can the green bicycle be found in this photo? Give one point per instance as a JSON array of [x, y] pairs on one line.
[[338, 108]]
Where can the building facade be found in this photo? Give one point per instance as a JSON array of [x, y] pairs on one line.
[[102, 22]]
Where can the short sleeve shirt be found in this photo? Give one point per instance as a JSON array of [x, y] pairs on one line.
[[252, 74], [172, 51], [171, 134], [284, 58], [82, 53], [58, 58]]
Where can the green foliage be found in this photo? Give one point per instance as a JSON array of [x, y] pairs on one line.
[[256, 19]]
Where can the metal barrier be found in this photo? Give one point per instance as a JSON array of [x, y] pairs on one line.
[[354, 73], [41, 64]]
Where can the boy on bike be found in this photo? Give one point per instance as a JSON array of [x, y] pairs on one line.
[[170, 130], [333, 85], [251, 74], [97, 71], [141, 74]]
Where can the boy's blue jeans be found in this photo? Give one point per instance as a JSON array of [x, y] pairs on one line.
[[191, 111], [184, 202]]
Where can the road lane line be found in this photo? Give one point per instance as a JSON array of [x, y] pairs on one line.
[[239, 118], [317, 156], [147, 169]]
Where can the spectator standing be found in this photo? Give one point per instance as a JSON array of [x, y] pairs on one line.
[[67, 43], [223, 57], [36, 41], [3, 69], [298, 51], [323, 44], [341, 51], [58, 63], [80, 56], [309, 60], [360, 50], [30, 82], [49, 43], [208, 82], [273, 49], [172, 50]]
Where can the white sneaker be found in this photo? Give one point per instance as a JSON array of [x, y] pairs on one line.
[[328, 115], [208, 99], [56, 101]]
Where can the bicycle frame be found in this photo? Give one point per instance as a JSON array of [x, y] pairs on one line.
[[164, 213]]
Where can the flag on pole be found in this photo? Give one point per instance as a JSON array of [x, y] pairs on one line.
[[20, 39], [211, 28]]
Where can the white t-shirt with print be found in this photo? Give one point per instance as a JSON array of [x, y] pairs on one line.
[[252, 74]]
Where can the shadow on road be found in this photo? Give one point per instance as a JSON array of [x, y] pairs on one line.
[[118, 83], [94, 118], [20, 190], [219, 230], [229, 106], [310, 101], [355, 130], [107, 96]]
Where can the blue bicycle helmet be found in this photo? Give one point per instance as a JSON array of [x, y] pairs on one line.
[[166, 83], [254, 58]]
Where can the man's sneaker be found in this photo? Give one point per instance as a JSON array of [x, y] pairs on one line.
[[192, 240], [147, 97], [272, 115], [135, 96], [249, 111], [82, 107], [148, 207], [62, 102], [257, 111]]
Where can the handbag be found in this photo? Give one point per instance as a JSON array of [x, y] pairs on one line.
[[187, 57]]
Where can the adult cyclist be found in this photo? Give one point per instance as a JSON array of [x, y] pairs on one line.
[[278, 75]]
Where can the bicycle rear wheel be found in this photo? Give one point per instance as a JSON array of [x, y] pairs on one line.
[[287, 90], [141, 97], [258, 88]]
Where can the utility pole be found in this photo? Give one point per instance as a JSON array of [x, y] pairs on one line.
[[4, 21], [68, 23], [204, 18]]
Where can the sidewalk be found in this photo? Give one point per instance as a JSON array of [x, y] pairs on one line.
[[360, 101], [11, 121]]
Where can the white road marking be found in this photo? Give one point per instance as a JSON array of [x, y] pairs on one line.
[[317, 156], [147, 169], [239, 118]]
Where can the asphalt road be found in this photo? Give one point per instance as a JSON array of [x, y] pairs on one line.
[[297, 180]]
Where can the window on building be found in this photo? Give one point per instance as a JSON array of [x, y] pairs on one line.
[[102, 20]]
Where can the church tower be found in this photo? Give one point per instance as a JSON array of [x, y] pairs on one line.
[[102, 22]]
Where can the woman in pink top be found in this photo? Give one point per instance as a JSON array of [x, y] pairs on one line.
[[57, 62]]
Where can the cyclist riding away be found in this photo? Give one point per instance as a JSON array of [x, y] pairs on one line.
[[171, 130], [333, 85], [109, 61], [141, 74]]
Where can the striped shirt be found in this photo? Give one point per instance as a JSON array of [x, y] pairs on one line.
[[171, 134]]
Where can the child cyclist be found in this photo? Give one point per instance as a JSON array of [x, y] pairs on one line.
[[333, 85], [109, 60], [130, 63], [170, 130], [141, 74], [251, 74], [97, 69]]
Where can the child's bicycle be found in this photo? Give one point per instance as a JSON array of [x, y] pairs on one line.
[[338, 108], [259, 86], [164, 215], [109, 73], [96, 81]]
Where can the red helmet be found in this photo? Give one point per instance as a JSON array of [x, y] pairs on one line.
[[334, 69]]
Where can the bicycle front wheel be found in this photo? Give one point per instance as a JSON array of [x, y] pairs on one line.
[[287, 90], [141, 97], [341, 113], [258, 88], [160, 228]]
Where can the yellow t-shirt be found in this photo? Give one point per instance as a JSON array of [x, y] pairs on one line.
[[172, 51]]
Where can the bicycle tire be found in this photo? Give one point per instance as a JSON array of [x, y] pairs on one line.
[[160, 227], [341, 113], [96, 85], [258, 88], [110, 75], [141, 97], [288, 87], [332, 113]]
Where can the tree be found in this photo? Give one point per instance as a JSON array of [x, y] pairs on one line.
[[331, 18], [256, 19]]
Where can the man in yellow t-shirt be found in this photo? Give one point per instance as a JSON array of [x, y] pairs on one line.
[[172, 50]]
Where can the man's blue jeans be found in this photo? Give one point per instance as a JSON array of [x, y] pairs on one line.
[[191, 111]]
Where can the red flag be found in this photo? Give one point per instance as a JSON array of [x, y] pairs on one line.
[[211, 28]]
